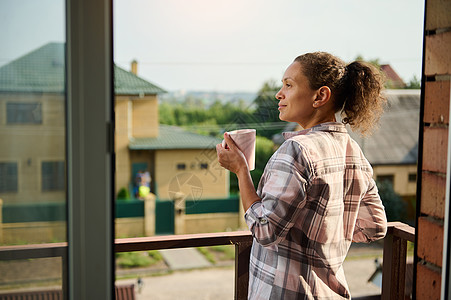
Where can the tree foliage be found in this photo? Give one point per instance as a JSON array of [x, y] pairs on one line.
[[262, 114], [395, 207], [375, 61], [414, 83], [213, 120], [266, 113]]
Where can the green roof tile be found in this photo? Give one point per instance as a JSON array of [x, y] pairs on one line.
[[127, 83], [42, 70], [171, 137]]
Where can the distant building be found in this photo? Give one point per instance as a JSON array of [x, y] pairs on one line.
[[393, 81], [169, 153], [393, 149], [32, 106]]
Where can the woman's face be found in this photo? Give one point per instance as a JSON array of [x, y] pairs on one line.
[[296, 98]]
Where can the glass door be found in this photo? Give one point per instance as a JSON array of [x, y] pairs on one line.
[[33, 185]]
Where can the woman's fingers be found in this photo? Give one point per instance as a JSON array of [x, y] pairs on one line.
[[230, 156], [229, 142]]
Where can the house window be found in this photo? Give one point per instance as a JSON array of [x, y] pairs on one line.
[[8, 177], [412, 177], [53, 176], [386, 178], [181, 166], [203, 166], [24, 113]]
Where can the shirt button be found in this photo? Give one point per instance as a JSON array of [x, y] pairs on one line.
[[263, 221]]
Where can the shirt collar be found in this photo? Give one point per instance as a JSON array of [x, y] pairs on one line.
[[326, 127]]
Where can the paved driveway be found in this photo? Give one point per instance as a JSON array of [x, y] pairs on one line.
[[217, 283]]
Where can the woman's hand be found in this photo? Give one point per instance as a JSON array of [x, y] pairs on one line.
[[231, 157]]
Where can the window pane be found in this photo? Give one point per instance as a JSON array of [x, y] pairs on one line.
[[33, 146], [8, 177], [23, 113], [53, 176]]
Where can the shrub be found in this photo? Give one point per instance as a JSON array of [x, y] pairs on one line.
[[395, 207], [123, 194], [137, 259]]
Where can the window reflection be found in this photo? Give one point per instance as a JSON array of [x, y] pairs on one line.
[[32, 140]]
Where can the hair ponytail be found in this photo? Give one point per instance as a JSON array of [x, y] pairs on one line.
[[363, 102], [356, 88]]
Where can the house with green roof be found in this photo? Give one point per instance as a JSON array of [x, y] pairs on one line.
[[32, 108]]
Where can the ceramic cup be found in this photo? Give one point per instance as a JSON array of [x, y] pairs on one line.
[[245, 140]]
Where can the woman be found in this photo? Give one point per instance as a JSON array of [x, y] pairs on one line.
[[316, 194]]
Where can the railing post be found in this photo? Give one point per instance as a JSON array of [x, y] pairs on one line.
[[394, 267], [179, 213], [149, 215], [242, 255]]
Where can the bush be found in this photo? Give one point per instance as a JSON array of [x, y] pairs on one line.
[[395, 207], [218, 253], [123, 194], [137, 259]]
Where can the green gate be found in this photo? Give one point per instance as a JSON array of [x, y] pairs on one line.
[[164, 217]]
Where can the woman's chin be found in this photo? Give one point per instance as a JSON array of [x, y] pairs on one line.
[[283, 118]]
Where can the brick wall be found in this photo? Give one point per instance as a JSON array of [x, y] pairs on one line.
[[435, 124]]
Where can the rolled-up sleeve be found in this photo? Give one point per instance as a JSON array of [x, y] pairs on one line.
[[283, 192], [371, 221]]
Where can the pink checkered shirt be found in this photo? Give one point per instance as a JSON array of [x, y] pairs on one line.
[[318, 195]]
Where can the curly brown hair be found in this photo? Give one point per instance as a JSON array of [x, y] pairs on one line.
[[356, 88]]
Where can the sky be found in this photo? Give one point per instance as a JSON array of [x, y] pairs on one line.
[[233, 45]]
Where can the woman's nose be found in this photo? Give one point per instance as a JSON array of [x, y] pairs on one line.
[[279, 95]]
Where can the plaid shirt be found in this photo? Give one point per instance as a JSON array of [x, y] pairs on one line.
[[318, 195]]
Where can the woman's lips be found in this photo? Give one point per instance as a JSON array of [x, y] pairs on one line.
[[281, 106]]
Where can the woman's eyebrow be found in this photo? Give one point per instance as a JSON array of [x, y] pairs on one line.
[[287, 78]]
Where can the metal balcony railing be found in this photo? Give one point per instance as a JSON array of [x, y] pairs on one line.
[[394, 257]]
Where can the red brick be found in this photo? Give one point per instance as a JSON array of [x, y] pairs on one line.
[[430, 241], [437, 14], [428, 283], [433, 190], [437, 54], [435, 148], [436, 103]]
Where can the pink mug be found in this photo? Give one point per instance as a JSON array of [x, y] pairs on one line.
[[245, 140]]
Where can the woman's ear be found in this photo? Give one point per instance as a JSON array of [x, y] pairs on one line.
[[322, 96]]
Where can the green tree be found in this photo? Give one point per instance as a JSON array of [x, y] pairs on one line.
[[166, 114], [395, 207], [414, 83], [266, 112], [264, 149], [375, 61]]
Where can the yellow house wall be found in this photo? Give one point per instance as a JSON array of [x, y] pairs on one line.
[[123, 132], [47, 232], [145, 116], [401, 183], [134, 117], [214, 181], [31, 144], [202, 223], [129, 227], [33, 232]]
